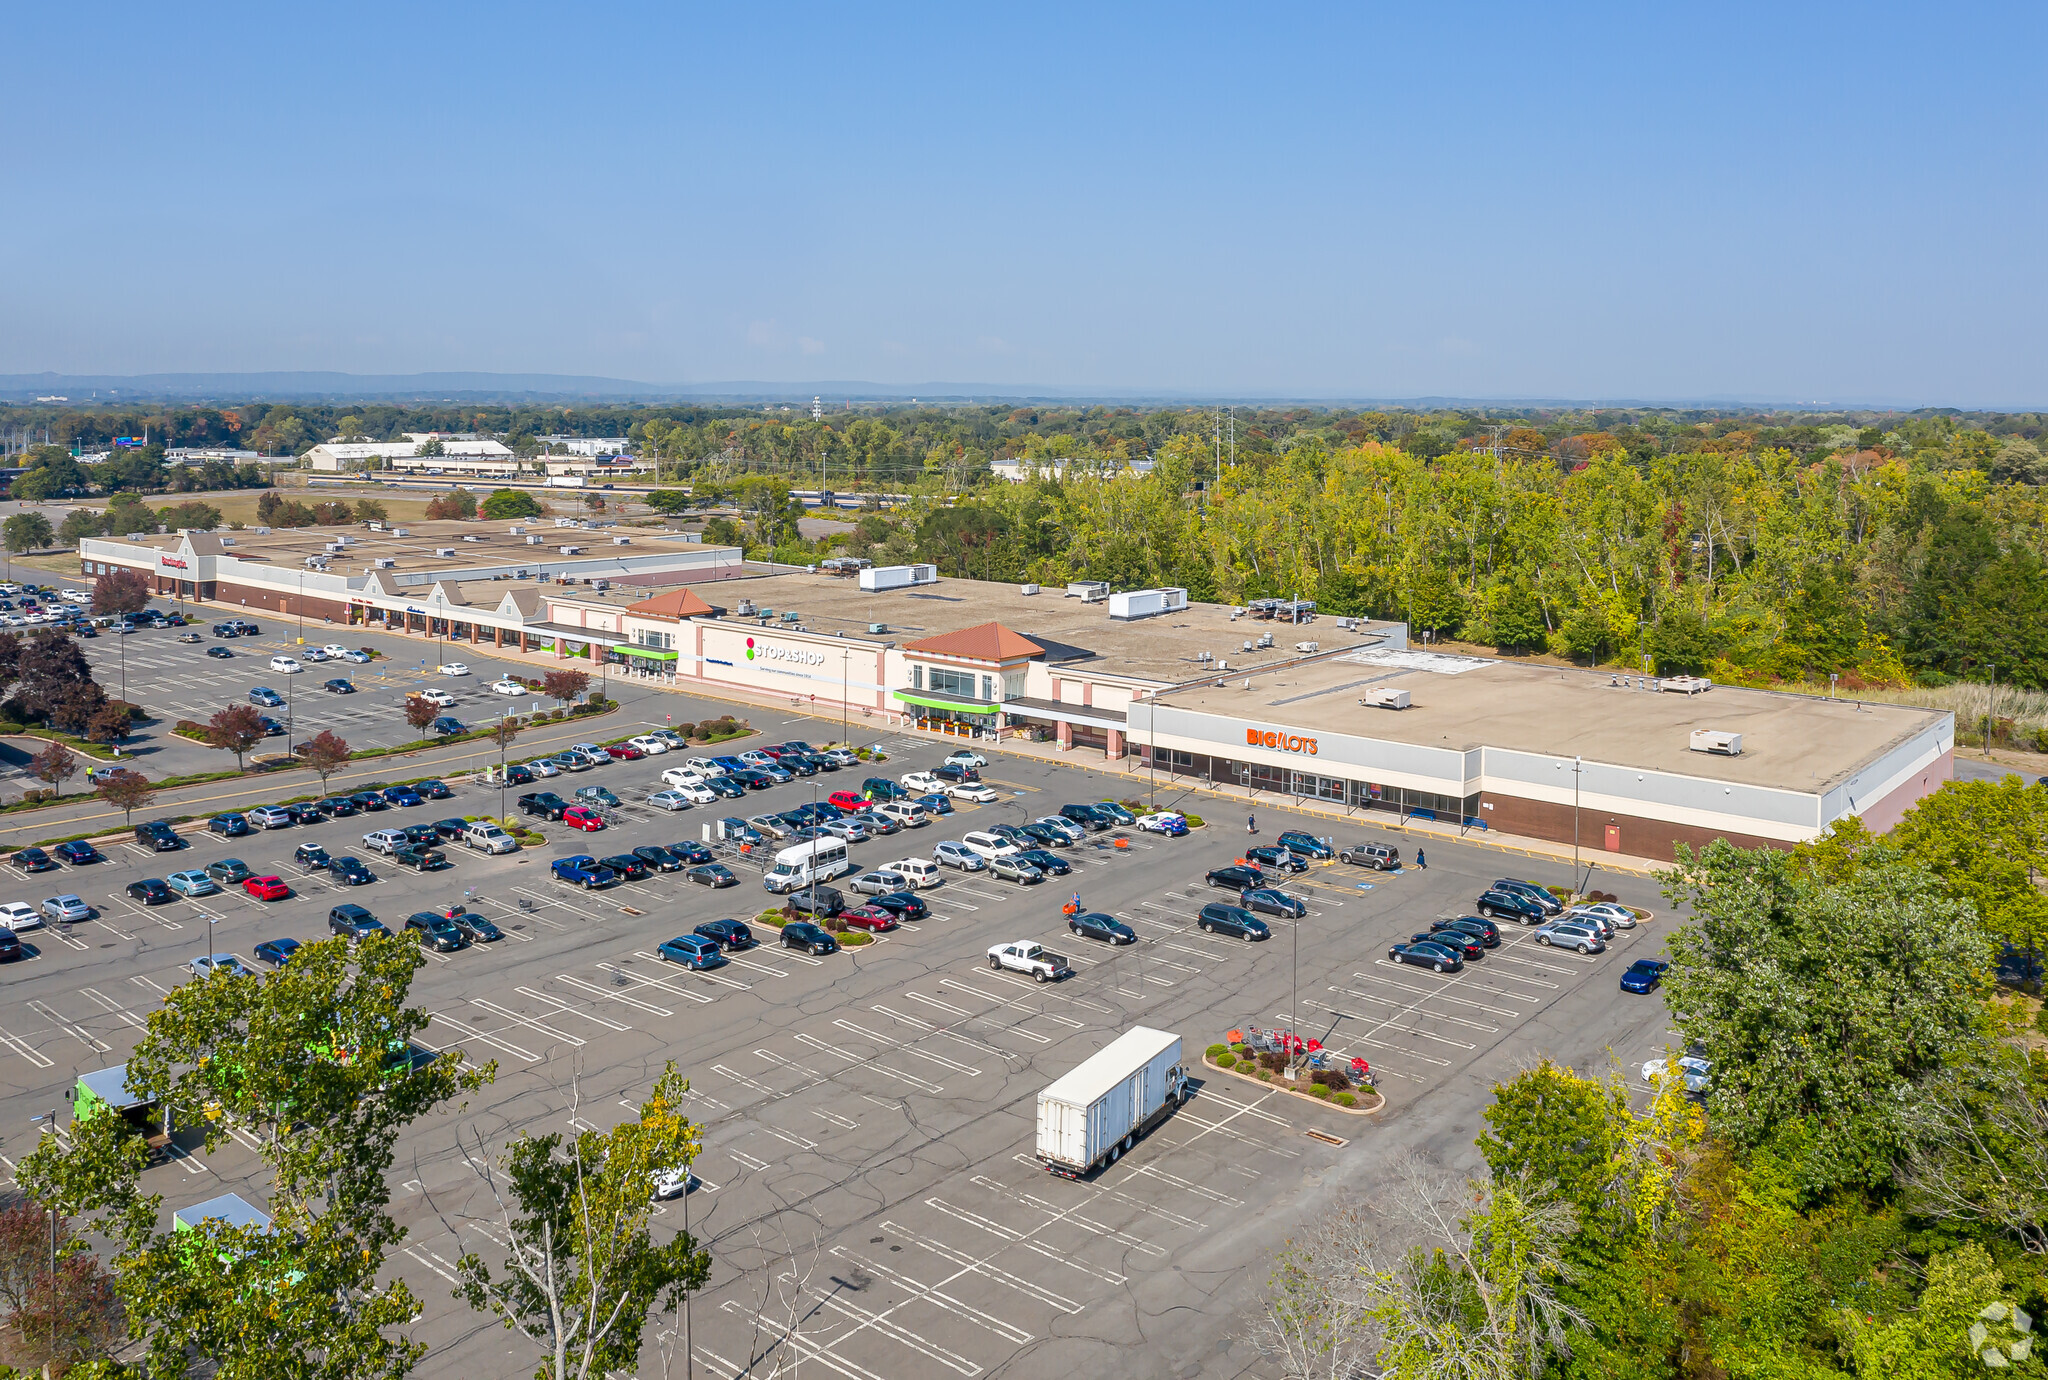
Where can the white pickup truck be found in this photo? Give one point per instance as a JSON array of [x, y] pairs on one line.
[[1029, 957]]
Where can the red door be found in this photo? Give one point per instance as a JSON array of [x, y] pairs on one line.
[[1614, 838]]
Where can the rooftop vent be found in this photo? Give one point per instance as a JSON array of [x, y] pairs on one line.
[[1719, 743], [1028, 589], [1385, 699]]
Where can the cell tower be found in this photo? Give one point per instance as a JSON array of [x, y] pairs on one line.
[[817, 409]]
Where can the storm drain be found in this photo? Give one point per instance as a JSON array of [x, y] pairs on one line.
[[1326, 1138]]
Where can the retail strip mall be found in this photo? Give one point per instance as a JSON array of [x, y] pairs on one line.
[[1274, 696]]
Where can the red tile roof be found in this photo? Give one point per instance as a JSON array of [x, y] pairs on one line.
[[677, 603], [987, 642]]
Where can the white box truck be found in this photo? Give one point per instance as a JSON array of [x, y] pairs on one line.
[[1090, 1116]]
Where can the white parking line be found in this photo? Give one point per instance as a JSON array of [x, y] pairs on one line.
[[591, 989], [470, 1032], [1001, 1000], [660, 984]]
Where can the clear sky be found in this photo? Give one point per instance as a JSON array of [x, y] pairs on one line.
[[1787, 202]]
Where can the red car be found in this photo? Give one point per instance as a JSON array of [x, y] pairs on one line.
[[577, 817], [625, 752], [850, 800], [266, 888], [869, 918]]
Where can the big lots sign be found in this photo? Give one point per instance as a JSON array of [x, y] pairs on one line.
[[1279, 742]]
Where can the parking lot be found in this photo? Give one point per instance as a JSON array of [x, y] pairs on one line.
[[868, 1189]]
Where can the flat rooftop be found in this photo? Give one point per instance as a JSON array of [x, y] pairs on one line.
[[1161, 649], [1789, 742], [474, 543]]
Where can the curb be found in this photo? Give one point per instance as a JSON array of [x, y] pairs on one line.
[[1294, 1091]]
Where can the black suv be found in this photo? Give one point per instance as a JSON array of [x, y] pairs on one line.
[[804, 935], [158, 836], [1511, 904], [352, 922], [1084, 815], [1217, 918], [437, 932]]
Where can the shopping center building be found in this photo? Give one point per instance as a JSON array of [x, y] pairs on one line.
[[1273, 696]]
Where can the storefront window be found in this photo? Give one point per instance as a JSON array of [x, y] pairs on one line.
[[945, 682]]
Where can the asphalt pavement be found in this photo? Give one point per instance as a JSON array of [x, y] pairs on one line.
[[867, 1187]]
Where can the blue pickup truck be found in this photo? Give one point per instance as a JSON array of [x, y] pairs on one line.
[[584, 870]]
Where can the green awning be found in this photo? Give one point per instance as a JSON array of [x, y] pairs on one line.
[[651, 653], [934, 701]]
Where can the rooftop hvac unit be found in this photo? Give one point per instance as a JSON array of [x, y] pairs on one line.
[[600, 585], [1145, 603], [570, 550], [534, 539], [515, 530], [882, 577], [1028, 589], [878, 628], [745, 609], [444, 551], [1087, 589], [385, 562], [1223, 666], [565, 522], [332, 547], [765, 615], [792, 616], [1306, 647], [260, 531], [622, 541], [227, 541], [1714, 741], [1385, 699], [376, 526], [341, 539], [1347, 624], [400, 532], [137, 536], [1686, 685], [473, 536]]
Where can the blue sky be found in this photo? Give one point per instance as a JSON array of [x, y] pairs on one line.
[[1827, 203]]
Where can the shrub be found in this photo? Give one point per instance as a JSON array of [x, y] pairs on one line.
[[1226, 1060], [854, 939], [1136, 807], [1344, 1099], [1318, 1090], [1273, 1060], [1331, 1079], [2041, 1019], [1194, 821], [1215, 1050], [1265, 1075], [1241, 1051]]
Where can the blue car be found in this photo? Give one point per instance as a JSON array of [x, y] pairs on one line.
[[583, 870], [692, 951], [77, 853], [936, 804], [729, 763], [403, 795], [1308, 845], [731, 934], [228, 826], [1643, 976]]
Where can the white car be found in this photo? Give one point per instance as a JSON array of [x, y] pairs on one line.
[[1164, 822], [989, 847], [966, 757], [696, 792], [674, 1183], [757, 759], [335, 649], [705, 767], [507, 687], [1073, 832], [1698, 1072], [970, 790], [1616, 916], [439, 698], [67, 907], [923, 782], [454, 668], [670, 800], [649, 744], [19, 916], [285, 666], [682, 776]]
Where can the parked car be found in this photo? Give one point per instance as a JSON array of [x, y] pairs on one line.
[[1218, 918], [1486, 931], [1277, 858], [1030, 958], [231, 826], [1541, 896], [1644, 976], [1267, 900], [67, 908], [877, 883], [1513, 905], [1048, 863], [1235, 877], [545, 804], [230, 871], [966, 757], [158, 836], [729, 934], [1164, 822], [435, 931], [712, 875], [1087, 816], [1011, 867], [350, 871], [876, 919], [267, 888], [369, 802], [352, 922], [692, 951], [77, 853], [1383, 857], [404, 796], [823, 901], [270, 817], [628, 865], [953, 854], [311, 856], [265, 697], [690, 852], [1570, 934], [1464, 945], [1697, 1072], [420, 857], [580, 869], [1308, 845], [802, 934], [1093, 924], [217, 965], [336, 807], [1615, 916], [277, 952], [903, 905], [583, 818], [1428, 953], [33, 860], [475, 928], [971, 790]]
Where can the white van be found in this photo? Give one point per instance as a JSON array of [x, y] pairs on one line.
[[919, 872], [989, 847], [820, 860], [907, 813]]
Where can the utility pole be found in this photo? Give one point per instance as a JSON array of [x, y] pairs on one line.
[[1990, 722]]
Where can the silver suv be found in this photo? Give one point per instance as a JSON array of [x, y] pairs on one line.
[[1571, 934], [955, 854], [1383, 856], [269, 817]]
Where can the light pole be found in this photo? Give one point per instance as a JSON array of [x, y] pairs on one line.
[[501, 764], [1578, 769]]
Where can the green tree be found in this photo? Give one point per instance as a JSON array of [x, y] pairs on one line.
[[1550, 1125], [1988, 843], [1946, 1336], [1434, 602], [127, 513], [315, 1067], [511, 503], [1821, 1001], [40, 486], [81, 524], [27, 532], [582, 1269], [1679, 643], [670, 501], [1514, 617]]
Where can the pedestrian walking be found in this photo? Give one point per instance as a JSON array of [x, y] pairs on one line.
[[1251, 824], [1421, 861]]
